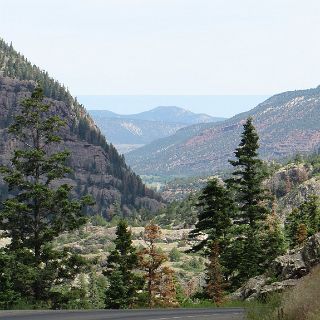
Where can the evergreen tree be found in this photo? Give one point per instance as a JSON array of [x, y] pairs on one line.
[[8, 295], [273, 238], [250, 195], [151, 262], [123, 282], [97, 290], [216, 208], [304, 221], [311, 210], [214, 277], [39, 209]]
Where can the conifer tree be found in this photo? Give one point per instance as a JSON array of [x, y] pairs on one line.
[[214, 276], [168, 292], [273, 238], [151, 262], [123, 282], [39, 208], [250, 195], [8, 295], [97, 290], [304, 221], [216, 208], [311, 210]]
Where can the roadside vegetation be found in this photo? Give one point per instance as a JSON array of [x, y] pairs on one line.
[[301, 303]]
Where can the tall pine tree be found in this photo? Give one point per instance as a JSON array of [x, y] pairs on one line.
[[216, 210], [151, 262], [39, 208], [251, 197], [123, 282]]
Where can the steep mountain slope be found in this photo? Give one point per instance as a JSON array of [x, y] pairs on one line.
[[98, 168], [133, 131], [287, 123]]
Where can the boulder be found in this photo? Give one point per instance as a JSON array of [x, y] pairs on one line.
[[251, 289], [276, 287], [289, 266], [286, 269]]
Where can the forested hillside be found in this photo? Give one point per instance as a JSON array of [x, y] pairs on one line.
[[98, 168]]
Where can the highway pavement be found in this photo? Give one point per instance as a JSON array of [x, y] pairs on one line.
[[154, 314]]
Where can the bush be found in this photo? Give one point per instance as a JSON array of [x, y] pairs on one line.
[[98, 220], [174, 255], [193, 264]]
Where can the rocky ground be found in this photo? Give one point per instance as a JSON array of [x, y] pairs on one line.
[[284, 272], [97, 242]]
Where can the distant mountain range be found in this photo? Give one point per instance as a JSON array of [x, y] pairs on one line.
[[128, 132], [288, 123]]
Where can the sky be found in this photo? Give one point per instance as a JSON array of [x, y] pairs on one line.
[[169, 47], [214, 105]]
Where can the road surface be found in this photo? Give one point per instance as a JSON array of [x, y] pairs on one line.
[[160, 314]]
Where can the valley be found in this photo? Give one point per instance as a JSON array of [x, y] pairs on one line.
[[193, 230], [129, 132]]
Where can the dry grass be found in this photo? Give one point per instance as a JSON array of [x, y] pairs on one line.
[[303, 302]]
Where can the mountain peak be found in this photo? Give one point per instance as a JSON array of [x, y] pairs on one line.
[[171, 109], [173, 114]]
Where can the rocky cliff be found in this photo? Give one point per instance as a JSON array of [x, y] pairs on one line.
[[283, 272], [97, 167]]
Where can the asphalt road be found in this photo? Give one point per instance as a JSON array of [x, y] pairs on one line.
[[160, 314]]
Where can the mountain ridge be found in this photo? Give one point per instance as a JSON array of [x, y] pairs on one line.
[[287, 123], [135, 130], [170, 114]]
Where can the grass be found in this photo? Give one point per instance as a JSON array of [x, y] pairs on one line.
[[301, 303]]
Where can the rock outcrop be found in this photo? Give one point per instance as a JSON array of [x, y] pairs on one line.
[[283, 273]]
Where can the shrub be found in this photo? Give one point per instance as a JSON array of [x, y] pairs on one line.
[[174, 255], [193, 264], [98, 220]]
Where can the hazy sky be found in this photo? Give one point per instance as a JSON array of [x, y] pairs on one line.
[[169, 47], [218, 106]]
